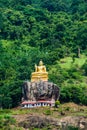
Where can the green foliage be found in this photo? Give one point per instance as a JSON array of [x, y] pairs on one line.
[[73, 93], [5, 111], [48, 112], [6, 121], [31, 30], [72, 128], [67, 108], [57, 103], [84, 67]]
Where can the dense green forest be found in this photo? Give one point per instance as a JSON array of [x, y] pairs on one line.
[[51, 30]]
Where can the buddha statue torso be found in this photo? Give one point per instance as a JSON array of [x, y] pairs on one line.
[[40, 73]]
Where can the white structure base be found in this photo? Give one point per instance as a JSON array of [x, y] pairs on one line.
[[42, 103]]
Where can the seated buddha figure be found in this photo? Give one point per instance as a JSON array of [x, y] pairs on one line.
[[40, 68], [40, 73]]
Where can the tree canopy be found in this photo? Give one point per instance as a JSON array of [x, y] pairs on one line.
[[31, 30]]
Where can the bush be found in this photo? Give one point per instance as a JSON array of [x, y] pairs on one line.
[[72, 128], [57, 103], [48, 112], [67, 108], [10, 119], [74, 93], [6, 121], [84, 67]]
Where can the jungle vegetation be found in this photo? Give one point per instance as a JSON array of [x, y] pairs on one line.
[[52, 30]]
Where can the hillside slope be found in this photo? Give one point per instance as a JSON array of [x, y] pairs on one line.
[[66, 116], [31, 30]]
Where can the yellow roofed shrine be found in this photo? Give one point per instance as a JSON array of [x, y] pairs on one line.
[[40, 73]]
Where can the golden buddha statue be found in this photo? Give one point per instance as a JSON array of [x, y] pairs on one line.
[[40, 73]]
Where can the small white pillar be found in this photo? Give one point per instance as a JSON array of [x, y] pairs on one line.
[[28, 105], [25, 106]]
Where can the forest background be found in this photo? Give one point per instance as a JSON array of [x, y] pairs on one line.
[[52, 30]]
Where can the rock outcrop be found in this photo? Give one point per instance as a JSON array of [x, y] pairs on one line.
[[65, 123], [41, 90]]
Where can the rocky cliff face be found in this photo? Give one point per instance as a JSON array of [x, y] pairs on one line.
[[33, 91]]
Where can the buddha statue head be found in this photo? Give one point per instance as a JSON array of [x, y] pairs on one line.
[[41, 63]]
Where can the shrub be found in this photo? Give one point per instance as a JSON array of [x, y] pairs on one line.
[[48, 112], [67, 108], [72, 128], [74, 93], [57, 103]]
